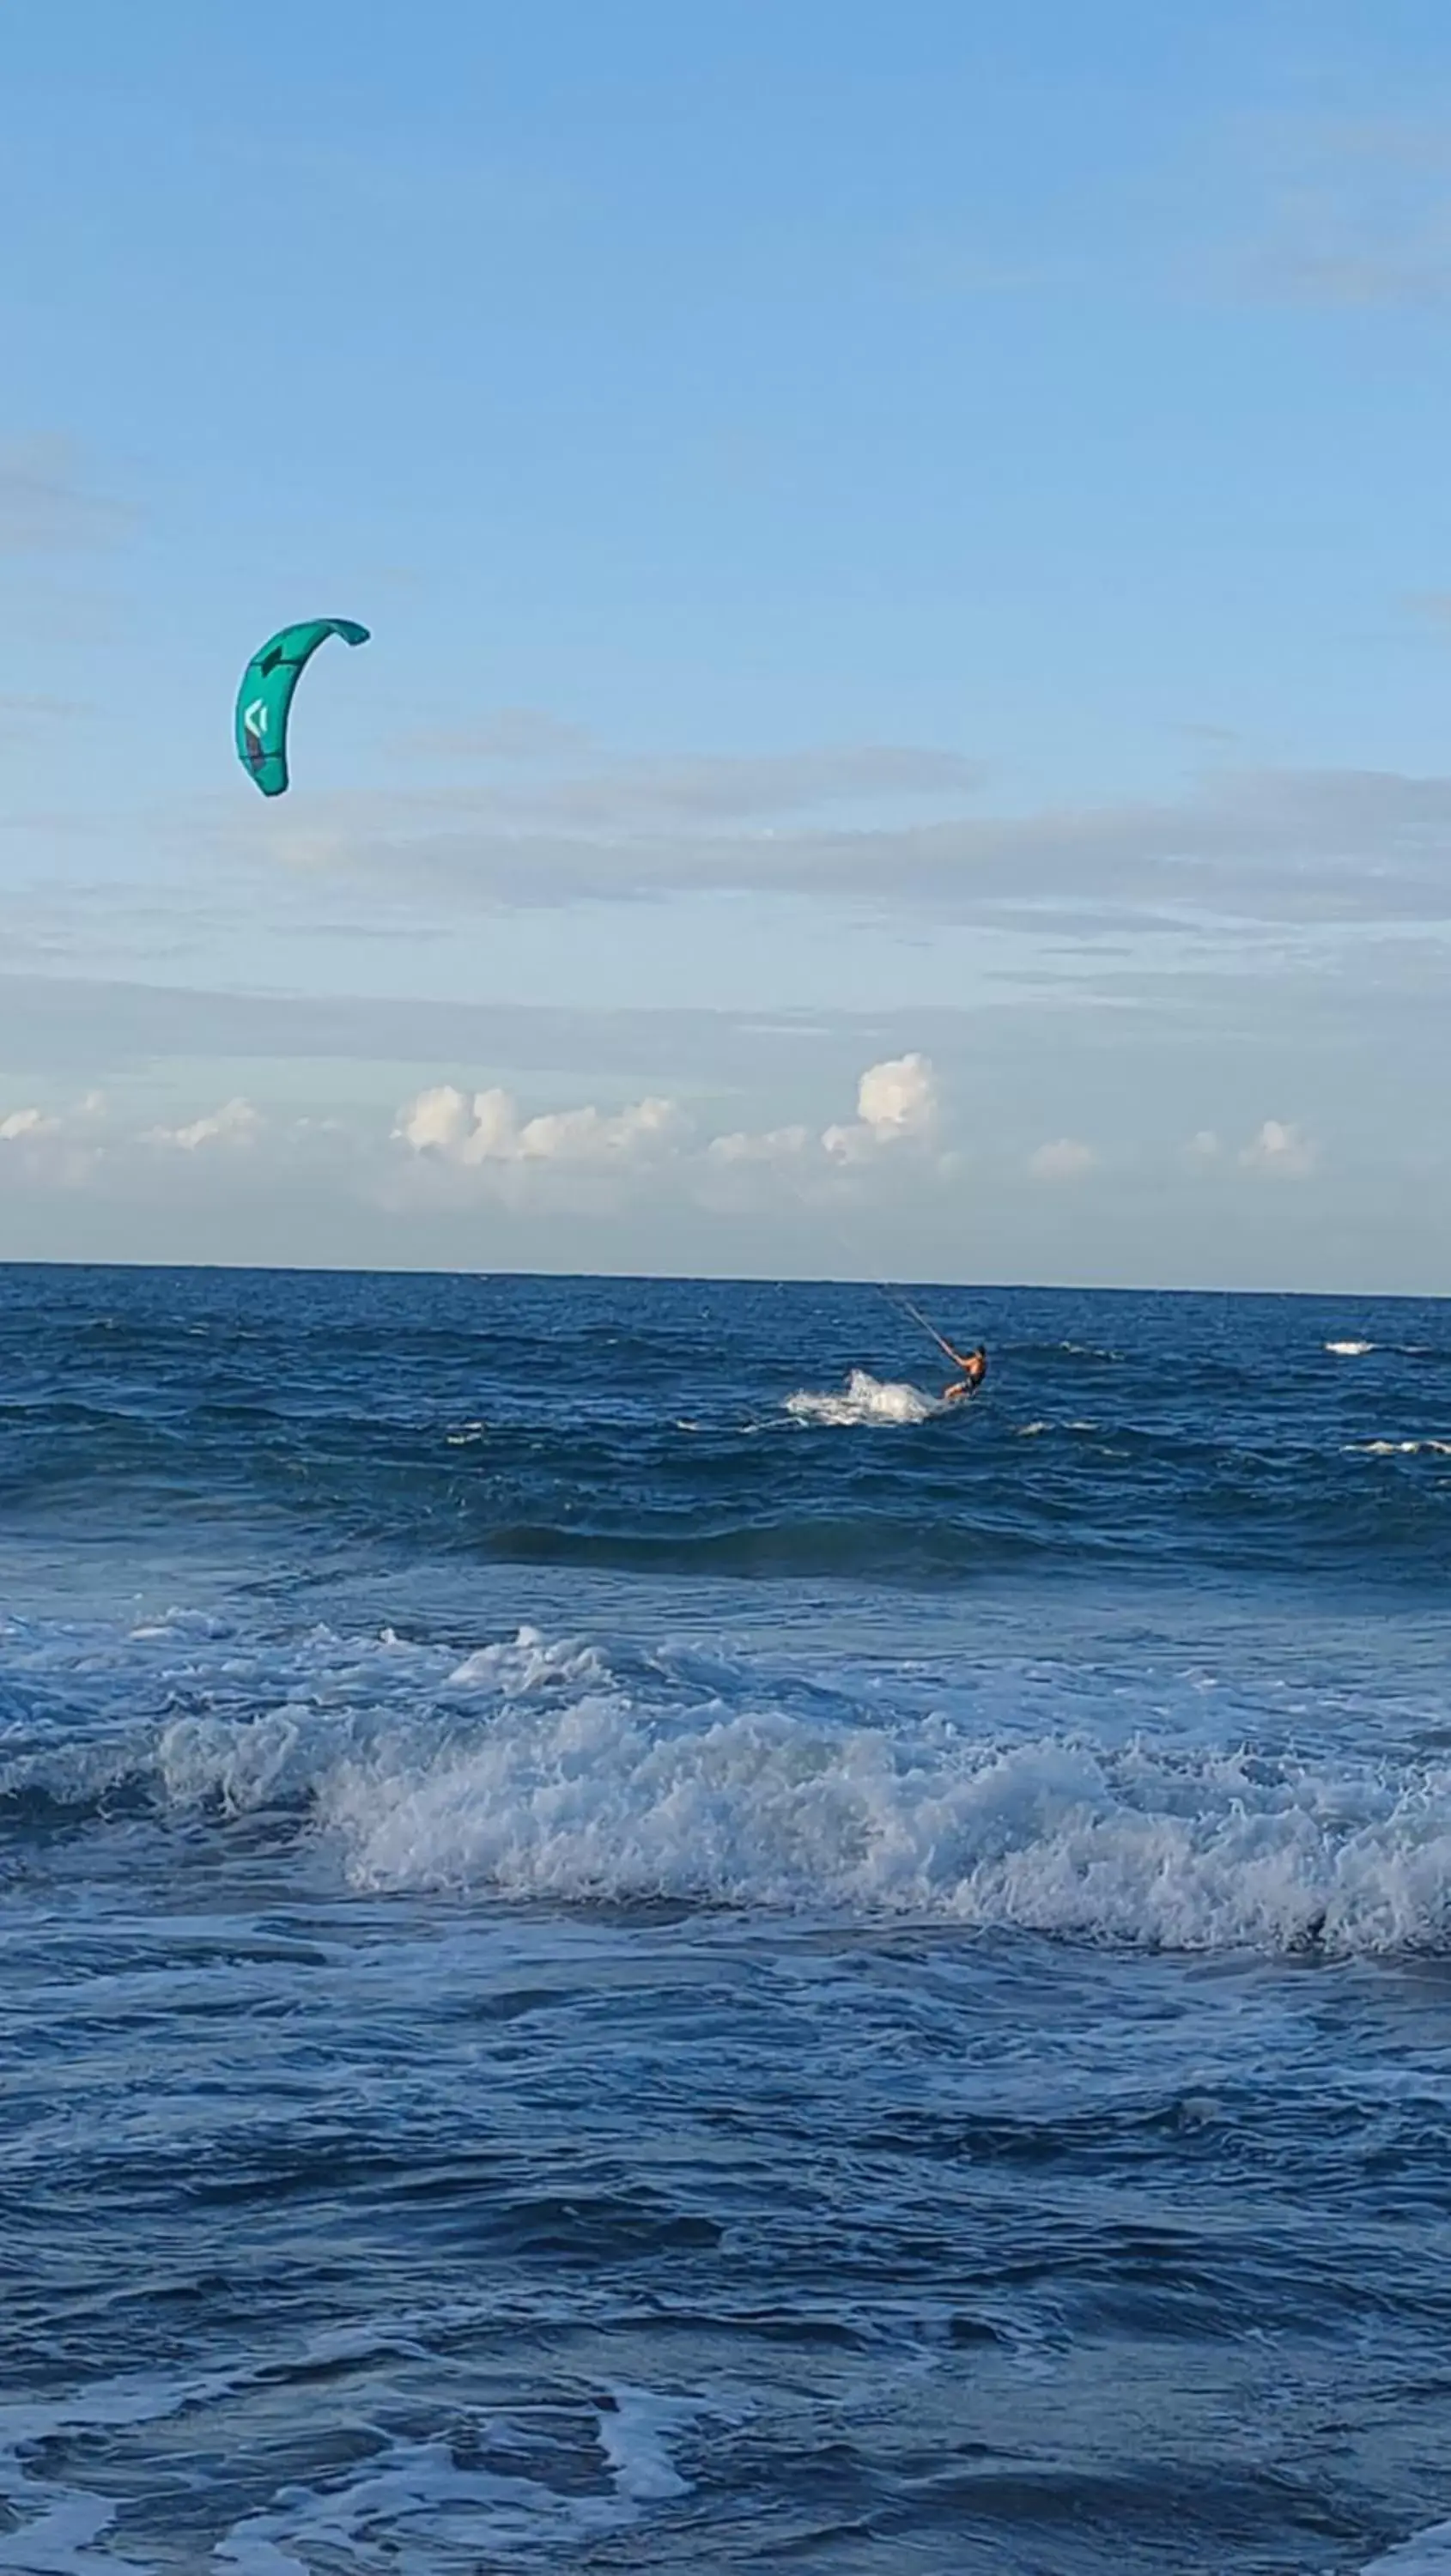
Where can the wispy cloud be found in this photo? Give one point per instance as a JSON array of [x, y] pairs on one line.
[[1257, 847], [93, 1142], [563, 791], [1359, 216], [1279, 1149], [48, 505], [947, 265], [1065, 1159], [56, 1148], [70, 1027], [505, 734], [26, 719], [774, 1148], [235, 1123]]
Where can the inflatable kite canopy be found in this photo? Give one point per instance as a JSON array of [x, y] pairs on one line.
[[265, 696]]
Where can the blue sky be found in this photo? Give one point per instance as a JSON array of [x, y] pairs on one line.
[[893, 538]]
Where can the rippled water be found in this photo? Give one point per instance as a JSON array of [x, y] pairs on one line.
[[627, 1950]]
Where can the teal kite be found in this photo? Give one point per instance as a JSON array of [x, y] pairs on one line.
[[265, 695]]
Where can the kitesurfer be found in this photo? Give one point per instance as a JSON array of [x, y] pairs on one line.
[[974, 1370]]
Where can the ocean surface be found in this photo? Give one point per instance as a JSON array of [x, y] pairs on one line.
[[626, 1950]]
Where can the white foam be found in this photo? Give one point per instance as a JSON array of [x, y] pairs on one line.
[[433, 2495], [417, 2502], [633, 2435], [417, 2496], [1350, 1350], [1141, 1844], [867, 1401], [1060, 1799], [61, 2540], [527, 1663], [1428, 2554], [248, 2547], [1398, 1448], [61, 2530]]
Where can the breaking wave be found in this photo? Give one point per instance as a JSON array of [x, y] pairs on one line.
[[539, 1771]]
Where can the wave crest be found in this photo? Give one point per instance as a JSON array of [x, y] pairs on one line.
[[1056, 1835], [557, 1771]]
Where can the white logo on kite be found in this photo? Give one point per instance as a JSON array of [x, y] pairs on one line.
[[255, 716]]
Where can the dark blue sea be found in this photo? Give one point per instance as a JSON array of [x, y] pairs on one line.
[[627, 1951]]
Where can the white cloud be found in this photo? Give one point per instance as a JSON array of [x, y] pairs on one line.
[[25, 1123], [488, 1128], [778, 1145], [235, 1123], [897, 1103], [1281, 1150], [898, 1106], [898, 1098], [1278, 1148], [487, 1133], [589, 1135], [1066, 1159], [437, 1122], [23, 1126], [54, 1147]]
